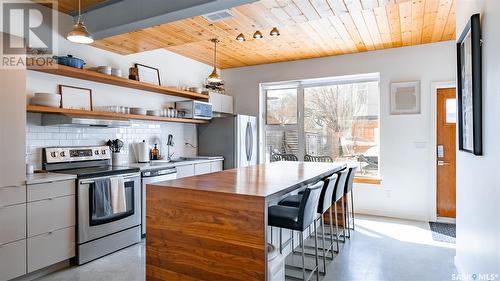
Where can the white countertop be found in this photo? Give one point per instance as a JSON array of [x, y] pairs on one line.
[[159, 164], [47, 177]]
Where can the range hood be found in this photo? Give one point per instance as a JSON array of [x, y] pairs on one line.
[[74, 121]]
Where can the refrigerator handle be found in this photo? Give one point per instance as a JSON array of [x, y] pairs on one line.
[[249, 141]]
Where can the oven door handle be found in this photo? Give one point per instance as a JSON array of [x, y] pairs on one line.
[[126, 178]]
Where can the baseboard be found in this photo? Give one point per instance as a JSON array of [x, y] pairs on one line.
[[446, 220], [391, 215], [44, 271]]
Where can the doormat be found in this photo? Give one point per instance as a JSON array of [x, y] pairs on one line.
[[443, 232]]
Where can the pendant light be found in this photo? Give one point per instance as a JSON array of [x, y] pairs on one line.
[[258, 35], [80, 34], [241, 38], [214, 77], [274, 32]]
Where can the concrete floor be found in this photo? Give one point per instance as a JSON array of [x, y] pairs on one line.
[[379, 249]]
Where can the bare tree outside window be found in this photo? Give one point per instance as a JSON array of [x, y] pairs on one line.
[[344, 120]]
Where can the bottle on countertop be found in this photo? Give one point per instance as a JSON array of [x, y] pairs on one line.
[[155, 153]]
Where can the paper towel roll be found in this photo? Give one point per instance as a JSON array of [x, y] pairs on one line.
[[142, 152]]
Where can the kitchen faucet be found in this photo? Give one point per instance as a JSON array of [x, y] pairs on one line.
[[170, 143]]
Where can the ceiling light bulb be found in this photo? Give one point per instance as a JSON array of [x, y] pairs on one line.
[[274, 32], [241, 37], [257, 35]]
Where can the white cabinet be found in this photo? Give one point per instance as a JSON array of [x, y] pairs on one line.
[[202, 168], [13, 126], [12, 260], [185, 171], [50, 214], [221, 103], [12, 223], [12, 195], [216, 166], [51, 190], [50, 248]]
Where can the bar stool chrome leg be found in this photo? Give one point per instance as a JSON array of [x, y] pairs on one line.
[[316, 251], [337, 228], [331, 233], [352, 207], [324, 244], [301, 237]]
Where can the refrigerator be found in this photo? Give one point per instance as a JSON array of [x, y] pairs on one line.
[[233, 137]]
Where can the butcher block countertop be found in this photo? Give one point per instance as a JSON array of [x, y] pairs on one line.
[[263, 180], [213, 226]]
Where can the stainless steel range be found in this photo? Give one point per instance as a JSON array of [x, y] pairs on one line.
[[99, 233]]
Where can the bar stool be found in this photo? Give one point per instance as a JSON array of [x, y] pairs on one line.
[[349, 189], [339, 196], [298, 219], [324, 205]]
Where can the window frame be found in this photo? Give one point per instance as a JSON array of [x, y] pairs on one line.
[[301, 85]]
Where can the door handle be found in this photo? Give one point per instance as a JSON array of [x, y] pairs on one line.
[[442, 163]]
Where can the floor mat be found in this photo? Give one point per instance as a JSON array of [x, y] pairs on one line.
[[443, 232]]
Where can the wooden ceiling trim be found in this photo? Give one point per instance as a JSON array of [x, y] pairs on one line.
[[405, 19], [430, 14], [383, 26], [442, 17], [322, 8], [395, 24], [417, 21]]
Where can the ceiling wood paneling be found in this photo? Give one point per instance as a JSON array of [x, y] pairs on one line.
[[71, 6], [309, 29]]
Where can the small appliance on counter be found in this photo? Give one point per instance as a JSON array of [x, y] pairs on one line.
[[142, 152], [194, 109]]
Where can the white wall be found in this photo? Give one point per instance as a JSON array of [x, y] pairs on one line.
[[175, 70], [406, 172], [478, 195]]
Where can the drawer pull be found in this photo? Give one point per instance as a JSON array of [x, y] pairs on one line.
[[50, 232]]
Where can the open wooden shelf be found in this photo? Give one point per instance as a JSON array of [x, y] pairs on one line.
[[117, 81], [108, 115]]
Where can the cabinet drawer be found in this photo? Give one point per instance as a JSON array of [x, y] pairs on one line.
[[49, 190], [216, 166], [202, 168], [50, 248], [51, 214], [12, 223], [13, 260], [12, 195], [185, 171]]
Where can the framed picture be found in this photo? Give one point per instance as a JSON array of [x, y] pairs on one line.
[[75, 97], [148, 74], [469, 88], [405, 98]]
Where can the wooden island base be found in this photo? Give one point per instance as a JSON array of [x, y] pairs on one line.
[[213, 226]]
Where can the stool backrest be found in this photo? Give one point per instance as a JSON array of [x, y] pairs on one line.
[[339, 187], [283, 157], [314, 158], [309, 204], [350, 179], [325, 199]]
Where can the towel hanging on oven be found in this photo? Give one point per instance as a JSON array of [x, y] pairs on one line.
[[102, 198], [118, 198]]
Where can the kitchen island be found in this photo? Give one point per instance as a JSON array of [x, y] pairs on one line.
[[213, 226]]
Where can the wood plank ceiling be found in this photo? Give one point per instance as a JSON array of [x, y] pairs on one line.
[[309, 29], [71, 6]]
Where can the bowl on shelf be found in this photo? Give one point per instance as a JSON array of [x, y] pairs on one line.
[[104, 69], [116, 72], [138, 111], [46, 99], [153, 112]]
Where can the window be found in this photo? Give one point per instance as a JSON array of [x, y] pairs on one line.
[[451, 111], [281, 107], [337, 118]]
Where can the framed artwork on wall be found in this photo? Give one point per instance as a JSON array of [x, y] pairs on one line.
[[148, 74], [75, 97], [469, 88], [405, 98]]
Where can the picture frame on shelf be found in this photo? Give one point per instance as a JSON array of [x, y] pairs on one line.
[[469, 88], [75, 97], [405, 98], [148, 74]]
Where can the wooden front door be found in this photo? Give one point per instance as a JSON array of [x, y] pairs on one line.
[[446, 142]]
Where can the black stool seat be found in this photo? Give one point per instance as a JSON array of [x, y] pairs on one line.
[[291, 201], [284, 217]]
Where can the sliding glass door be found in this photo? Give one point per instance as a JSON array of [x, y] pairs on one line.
[[337, 120]]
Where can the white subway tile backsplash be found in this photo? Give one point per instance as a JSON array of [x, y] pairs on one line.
[[38, 136]]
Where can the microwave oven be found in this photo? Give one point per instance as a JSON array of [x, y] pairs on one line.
[[194, 109]]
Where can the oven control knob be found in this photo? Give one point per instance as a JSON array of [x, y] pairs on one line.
[[53, 154], [63, 154], [103, 152], [96, 152]]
